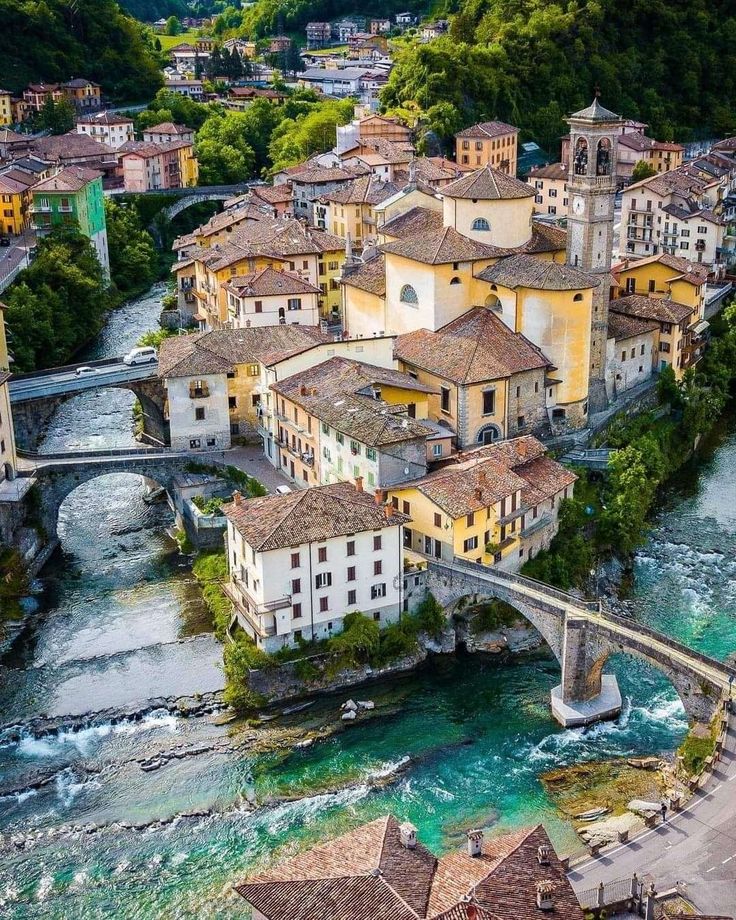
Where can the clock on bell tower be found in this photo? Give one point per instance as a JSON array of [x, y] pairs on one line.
[[591, 184]]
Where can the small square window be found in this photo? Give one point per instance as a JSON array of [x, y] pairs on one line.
[[322, 554], [352, 598], [199, 413], [296, 611], [324, 604]]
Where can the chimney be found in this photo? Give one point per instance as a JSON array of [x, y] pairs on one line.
[[544, 895], [479, 494], [388, 510], [543, 854], [379, 496], [314, 391], [471, 912], [408, 835], [475, 843], [237, 498], [358, 483], [302, 390]]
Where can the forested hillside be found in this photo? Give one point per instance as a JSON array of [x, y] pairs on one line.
[[151, 10], [671, 63], [56, 40]]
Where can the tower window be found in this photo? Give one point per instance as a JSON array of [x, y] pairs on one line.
[[581, 157], [603, 158], [578, 297], [408, 295]]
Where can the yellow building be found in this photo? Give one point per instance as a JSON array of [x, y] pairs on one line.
[[14, 205], [490, 143], [6, 109], [664, 276], [496, 505], [313, 255], [7, 438], [351, 210], [489, 381]]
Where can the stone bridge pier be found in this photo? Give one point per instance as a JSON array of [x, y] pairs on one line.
[[31, 417]]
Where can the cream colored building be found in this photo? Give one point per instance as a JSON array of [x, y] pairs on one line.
[[550, 189], [631, 352], [299, 563], [107, 128], [271, 298]]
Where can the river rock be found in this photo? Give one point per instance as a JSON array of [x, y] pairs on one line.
[[644, 763], [350, 706], [644, 808], [607, 831], [366, 704], [348, 716]]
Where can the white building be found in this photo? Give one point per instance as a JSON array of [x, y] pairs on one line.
[[300, 562], [107, 128], [271, 298], [631, 352], [550, 189]]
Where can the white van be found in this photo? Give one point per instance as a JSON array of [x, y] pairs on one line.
[[146, 355]]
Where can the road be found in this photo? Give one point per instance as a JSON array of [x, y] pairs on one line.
[[14, 258], [695, 848], [65, 380]]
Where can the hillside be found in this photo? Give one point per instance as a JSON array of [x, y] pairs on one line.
[[57, 40], [267, 17], [671, 64]]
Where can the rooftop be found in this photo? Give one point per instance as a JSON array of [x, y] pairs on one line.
[[660, 309], [309, 515], [69, 179], [595, 112], [488, 129], [269, 282], [488, 184], [524, 270], [441, 246], [368, 276], [622, 326]]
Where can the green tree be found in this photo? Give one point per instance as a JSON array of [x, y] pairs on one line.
[[643, 170], [359, 640], [173, 26], [224, 154], [133, 257], [56, 117]]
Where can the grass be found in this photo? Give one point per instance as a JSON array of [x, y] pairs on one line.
[[326, 52], [210, 570], [698, 745], [171, 41]]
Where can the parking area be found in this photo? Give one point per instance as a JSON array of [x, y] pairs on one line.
[[251, 460]]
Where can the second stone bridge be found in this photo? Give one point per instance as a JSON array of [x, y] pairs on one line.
[[582, 636]]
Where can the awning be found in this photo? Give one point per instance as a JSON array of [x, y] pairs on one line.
[[699, 328]]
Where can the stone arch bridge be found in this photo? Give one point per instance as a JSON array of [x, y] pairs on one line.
[[58, 475], [582, 636]]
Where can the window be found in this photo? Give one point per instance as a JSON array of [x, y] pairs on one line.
[[378, 591], [324, 604], [339, 437], [296, 611], [296, 586], [199, 413], [623, 355], [445, 399], [633, 352], [377, 616], [351, 573], [350, 548], [376, 543], [553, 193], [489, 402], [438, 520], [252, 370], [408, 295], [370, 453], [325, 428], [323, 580], [352, 598], [405, 508], [259, 306], [194, 443], [552, 209], [455, 280], [294, 303], [470, 519], [232, 402], [480, 223], [355, 448], [520, 421], [631, 285], [322, 554], [295, 560], [377, 567], [642, 349], [470, 543], [664, 347], [436, 450]]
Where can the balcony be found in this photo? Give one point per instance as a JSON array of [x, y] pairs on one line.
[[199, 392], [251, 610]]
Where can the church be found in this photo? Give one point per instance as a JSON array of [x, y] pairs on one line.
[[442, 256]]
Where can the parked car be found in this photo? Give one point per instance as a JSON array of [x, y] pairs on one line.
[[85, 371], [282, 490], [4, 241], [144, 355]]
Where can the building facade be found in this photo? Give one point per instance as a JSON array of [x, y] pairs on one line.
[[107, 128], [489, 143]]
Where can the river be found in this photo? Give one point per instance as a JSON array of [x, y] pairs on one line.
[[118, 602]]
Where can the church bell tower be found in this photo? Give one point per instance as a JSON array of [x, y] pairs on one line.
[[591, 187]]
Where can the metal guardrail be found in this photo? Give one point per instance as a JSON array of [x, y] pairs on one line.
[[65, 368], [92, 454]]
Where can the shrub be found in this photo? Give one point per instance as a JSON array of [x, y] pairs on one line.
[[430, 616], [493, 615], [358, 642], [240, 657], [210, 569]]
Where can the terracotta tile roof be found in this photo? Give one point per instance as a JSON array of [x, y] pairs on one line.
[[465, 488], [311, 515], [596, 112], [216, 352], [692, 271], [416, 220], [11, 186], [369, 875], [488, 184], [621, 326], [488, 129], [69, 179], [474, 348], [545, 238], [105, 118], [70, 146], [525, 271], [268, 282], [433, 169], [274, 194], [168, 127], [442, 246], [339, 392], [545, 478], [551, 171], [663, 310], [363, 190], [368, 276], [320, 174]]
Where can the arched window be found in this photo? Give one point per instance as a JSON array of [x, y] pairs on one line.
[[603, 159], [581, 157], [488, 434], [480, 223], [493, 303], [455, 280], [408, 295], [578, 297]]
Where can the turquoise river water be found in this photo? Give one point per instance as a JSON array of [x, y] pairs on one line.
[[461, 742]]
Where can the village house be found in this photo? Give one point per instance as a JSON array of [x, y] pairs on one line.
[[270, 297], [631, 351], [318, 34], [279, 198], [381, 869], [314, 256], [362, 130], [74, 149], [215, 381], [379, 26], [489, 143], [186, 57], [84, 95], [279, 44], [496, 505], [333, 81], [108, 128], [299, 563], [15, 202], [351, 208], [664, 276], [194, 89], [313, 183], [149, 166], [13, 145], [73, 197], [167, 133], [240, 98], [36, 94], [489, 382], [6, 109], [342, 419], [550, 189]]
